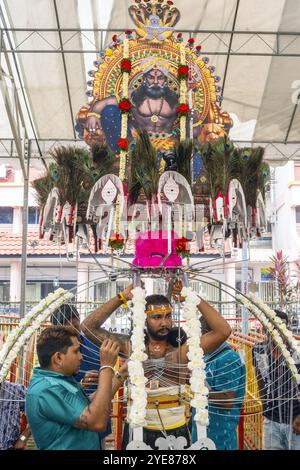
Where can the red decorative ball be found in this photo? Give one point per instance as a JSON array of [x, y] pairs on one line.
[[126, 65], [183, 109], [198, 48], [179, 35], [125, 105], [169, 2], [191, 41], [123, 143], [183, 70]]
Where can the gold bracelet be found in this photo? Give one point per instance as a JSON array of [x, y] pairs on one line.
[[122, 297], [93, 114]]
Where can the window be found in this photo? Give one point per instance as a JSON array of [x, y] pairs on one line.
[[297, 214], [297, 171], [6, 215], [6, 174], [101, 292], [33, 215], [37, 290], [4, 291]]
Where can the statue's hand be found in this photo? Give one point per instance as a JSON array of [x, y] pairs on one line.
[[211, 131], [92, 124]]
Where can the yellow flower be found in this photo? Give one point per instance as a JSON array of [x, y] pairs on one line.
[[108, 52]]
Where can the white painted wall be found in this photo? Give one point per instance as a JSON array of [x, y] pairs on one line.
[[287, 196]]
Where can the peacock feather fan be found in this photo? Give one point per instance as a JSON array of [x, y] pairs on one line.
[[183, 156], [251, 160], [70, 168], [218, 161], [42, 187], [264, 178], [144, 170]]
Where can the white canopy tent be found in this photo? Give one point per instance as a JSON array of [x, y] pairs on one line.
[[47, 47]]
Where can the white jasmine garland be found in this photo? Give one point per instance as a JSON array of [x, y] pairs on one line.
[[281, 326], [137, 413], [196, 363], [27, 326], [270, 328], [182, 93]]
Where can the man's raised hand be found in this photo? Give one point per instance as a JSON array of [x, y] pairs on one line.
[[109, 352]]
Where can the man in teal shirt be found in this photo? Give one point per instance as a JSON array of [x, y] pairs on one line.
[[60, 414], [226, 381]]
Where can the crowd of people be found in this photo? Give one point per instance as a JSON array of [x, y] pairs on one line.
[[68, 402]]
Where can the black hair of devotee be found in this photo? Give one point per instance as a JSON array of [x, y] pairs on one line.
[[64, 315], [54, 339], [282, 315]]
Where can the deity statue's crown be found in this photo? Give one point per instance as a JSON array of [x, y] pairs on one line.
[[154, 19]]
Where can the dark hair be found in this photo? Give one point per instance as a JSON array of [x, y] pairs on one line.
[[54, 339], [282, 315], [64, 315], [138, 96], [156, 299]]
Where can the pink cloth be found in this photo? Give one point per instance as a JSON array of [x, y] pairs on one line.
[[152, 247]]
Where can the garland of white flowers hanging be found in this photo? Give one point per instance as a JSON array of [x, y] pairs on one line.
[[196, 363], [183, 108], [137, 379], [271, 329], [125, 107], [27, 326]]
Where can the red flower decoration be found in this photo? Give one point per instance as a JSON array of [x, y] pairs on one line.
[[128, 32], [125, 105], [123, 144], [116, 241], [115, 37], [191, 41], [183, 247], [183, 109], [179, 35], [169, 2], [126, 65], [183, 71], [198, 48]]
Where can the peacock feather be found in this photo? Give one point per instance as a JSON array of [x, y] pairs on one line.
[[251, 160], [144, 170], [218, 160], [183, 155], [42, 187]]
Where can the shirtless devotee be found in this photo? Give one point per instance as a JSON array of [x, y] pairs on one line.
[[165, 367]]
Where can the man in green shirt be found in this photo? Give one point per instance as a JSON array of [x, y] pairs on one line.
[[60, 414]]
